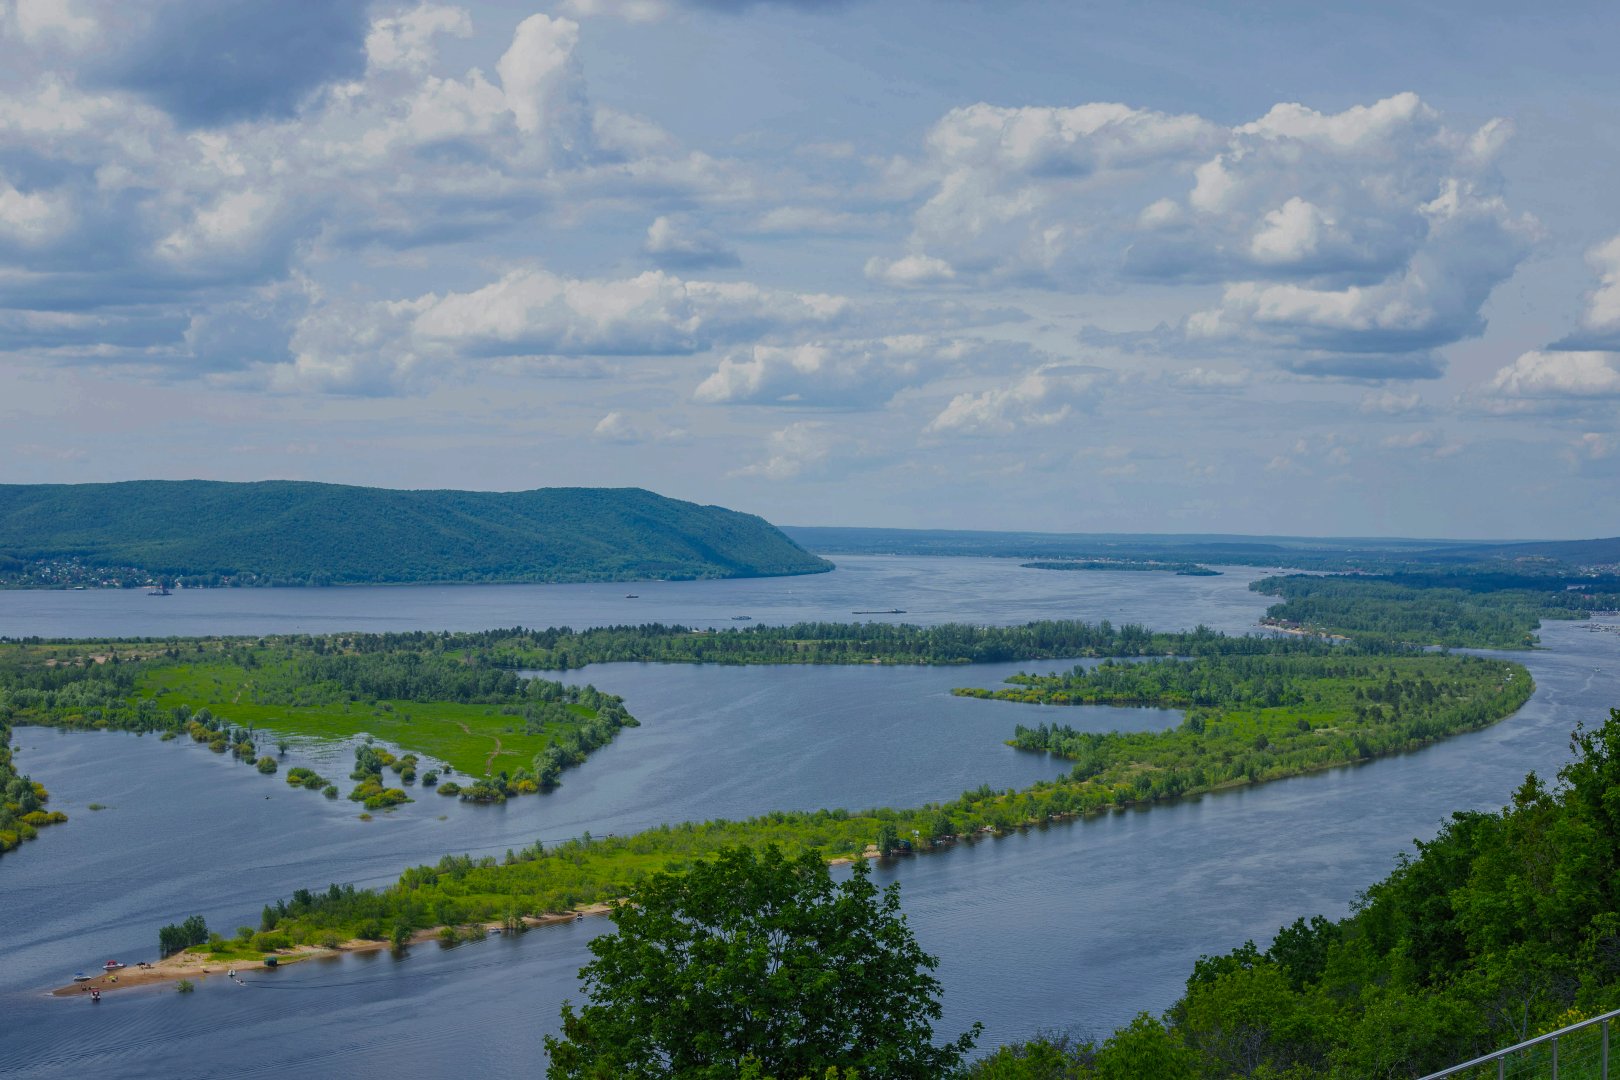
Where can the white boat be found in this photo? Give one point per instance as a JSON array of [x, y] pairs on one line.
[[79, 976]]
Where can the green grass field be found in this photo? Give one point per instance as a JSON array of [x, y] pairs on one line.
[[473, 739]]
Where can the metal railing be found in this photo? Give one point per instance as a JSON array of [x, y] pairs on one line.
[[1577, 1052]]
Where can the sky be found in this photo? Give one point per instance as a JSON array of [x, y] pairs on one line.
[[1328, 269]]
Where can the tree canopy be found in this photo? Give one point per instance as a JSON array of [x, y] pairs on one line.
[[757, 960]]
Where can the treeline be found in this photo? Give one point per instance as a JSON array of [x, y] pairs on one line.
[[1481, 610], [1114, 770], [858, 643], [1502, 927], [22, 802]]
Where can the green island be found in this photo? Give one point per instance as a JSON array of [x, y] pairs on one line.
[[1457, 608], [1262, 723], [504, 734], [1180, 569], [283, 532]]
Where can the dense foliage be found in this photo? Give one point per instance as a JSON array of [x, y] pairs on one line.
[[22, 802], [512, 735], [1235, 736], [852, 643], [293, 533], [756, 957], [1479, 609], [1501, 927]]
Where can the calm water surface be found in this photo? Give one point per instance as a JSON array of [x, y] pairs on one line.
[[1077, 925]]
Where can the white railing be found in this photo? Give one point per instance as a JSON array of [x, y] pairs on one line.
[[1577, 1052]]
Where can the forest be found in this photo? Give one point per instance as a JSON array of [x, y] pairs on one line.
[[508, 735], [1476, 609], [1502, 927], [294, 533]]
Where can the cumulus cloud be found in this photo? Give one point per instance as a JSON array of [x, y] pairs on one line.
[[151, 188], [854, 374], [909, 270], [800, 449], [616, 427], [1600, 322], [677, 243], [1586, 374], [1352, 243], [1040, 398], [531, 315]]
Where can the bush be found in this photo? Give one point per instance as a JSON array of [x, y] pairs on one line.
[[266, 765]]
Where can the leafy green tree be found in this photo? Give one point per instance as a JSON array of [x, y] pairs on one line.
[[761, 957]]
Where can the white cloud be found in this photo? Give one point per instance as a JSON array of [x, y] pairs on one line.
[[801, 448], [1040, 398], [616, 427], [1352, 243], [1600, 322], [1548, 374], [406, 40], [859, 374], [677, 242], [909, 270], [40, 20]]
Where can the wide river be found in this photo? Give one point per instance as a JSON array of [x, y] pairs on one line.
[[1078, 926]]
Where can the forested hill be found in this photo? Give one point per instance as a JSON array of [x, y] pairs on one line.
[[289, 532]]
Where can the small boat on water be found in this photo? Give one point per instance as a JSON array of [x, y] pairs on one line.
[[114, 965], [742, 618], [95, 994], [885, 611], [631, 596], [79, 976]]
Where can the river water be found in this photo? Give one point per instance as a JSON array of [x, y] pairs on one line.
[[1079, 925]]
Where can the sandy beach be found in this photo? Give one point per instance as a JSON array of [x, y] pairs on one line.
[[195, 965]]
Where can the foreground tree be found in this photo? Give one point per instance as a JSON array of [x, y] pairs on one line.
[[758, 960]]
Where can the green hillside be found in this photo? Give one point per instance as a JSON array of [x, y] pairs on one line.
[[288, 532]]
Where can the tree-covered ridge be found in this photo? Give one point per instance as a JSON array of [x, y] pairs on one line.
[[506, 734], [1212, 749], [1481, 610], [294, 533], [1502, 927]]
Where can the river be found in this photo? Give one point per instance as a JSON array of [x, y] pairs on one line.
[[1079, 925]]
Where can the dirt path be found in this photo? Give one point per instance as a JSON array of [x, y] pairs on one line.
[[489, 762]]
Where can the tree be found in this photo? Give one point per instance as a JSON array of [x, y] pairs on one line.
[[761, 957]]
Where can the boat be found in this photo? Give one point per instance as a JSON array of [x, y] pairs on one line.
[[114, 965], [631, 596], [742, 618], [159, 590], [885, 611], [79, 976], [95, 994]]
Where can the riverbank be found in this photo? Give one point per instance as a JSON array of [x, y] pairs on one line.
[[189, 964]]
